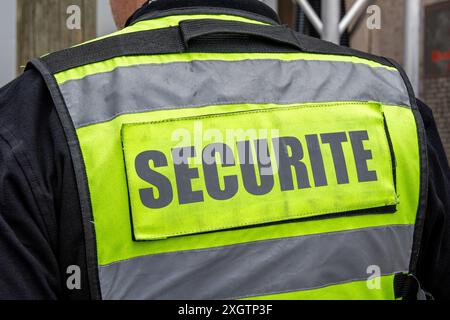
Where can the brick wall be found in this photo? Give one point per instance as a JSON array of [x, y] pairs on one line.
[[436, 93]]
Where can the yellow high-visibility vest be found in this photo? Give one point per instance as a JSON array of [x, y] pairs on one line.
[[293, 172]]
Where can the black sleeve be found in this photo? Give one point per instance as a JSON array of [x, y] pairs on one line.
[[38, 197], [28, 266], [434, 260]]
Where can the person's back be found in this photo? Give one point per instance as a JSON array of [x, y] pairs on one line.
[[207, 152]]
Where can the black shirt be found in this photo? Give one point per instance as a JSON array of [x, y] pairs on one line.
[[41, 232]]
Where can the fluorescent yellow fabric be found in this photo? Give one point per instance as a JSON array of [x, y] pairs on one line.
[[164, 22], [102, 152], [109, 65], [112, 194], [303, 199]]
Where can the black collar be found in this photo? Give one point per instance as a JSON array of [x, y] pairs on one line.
[[247, 8]]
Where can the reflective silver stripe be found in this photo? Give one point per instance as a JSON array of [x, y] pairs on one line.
[[102, 97], [260, 268]]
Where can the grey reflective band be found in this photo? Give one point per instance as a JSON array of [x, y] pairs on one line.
[[260, 268], [205, 83]]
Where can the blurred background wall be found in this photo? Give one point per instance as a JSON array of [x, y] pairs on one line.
[[42, 26], [31, 28], [389, 39]]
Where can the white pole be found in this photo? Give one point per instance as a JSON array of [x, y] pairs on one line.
[[356, 9], [8, 21], [331, 16], [311, 14], [331, 27], [412, 41]]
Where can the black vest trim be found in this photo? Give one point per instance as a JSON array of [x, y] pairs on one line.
[[206, 35], [80, 173]]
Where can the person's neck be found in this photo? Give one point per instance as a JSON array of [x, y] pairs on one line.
[[159, 6]]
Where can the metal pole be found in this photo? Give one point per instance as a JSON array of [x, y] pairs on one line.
[[311, 14], [412, 41], [356, 9], [331, 16]]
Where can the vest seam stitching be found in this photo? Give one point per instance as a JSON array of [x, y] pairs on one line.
[[281, 103]]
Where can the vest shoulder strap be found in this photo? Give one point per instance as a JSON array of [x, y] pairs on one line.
[[177, 40], [203, 35]]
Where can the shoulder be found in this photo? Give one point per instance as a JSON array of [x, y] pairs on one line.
[[27, 116], [23, 99], [438, 162], [24, 105], [314, 45], [32, 137]]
